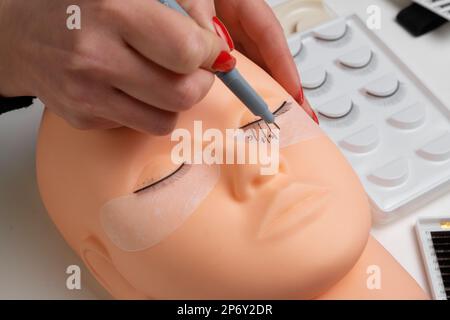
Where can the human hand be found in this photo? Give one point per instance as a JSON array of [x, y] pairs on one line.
[[134, 63], [258, 34]]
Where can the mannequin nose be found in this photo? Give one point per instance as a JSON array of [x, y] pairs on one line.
[[247, 179]]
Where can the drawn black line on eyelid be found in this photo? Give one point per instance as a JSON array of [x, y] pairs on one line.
[[160, 180], [276, 113]]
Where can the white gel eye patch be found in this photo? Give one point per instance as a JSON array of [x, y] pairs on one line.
[[296, 126], [139, 221]]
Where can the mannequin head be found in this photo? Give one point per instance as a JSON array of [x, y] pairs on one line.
[[242, 235]]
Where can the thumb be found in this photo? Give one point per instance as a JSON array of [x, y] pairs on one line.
[[216, 38]]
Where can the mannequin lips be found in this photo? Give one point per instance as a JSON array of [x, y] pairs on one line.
[[293, 206]]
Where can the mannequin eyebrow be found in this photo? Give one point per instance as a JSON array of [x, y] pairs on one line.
[[178, 170], [276, 113]]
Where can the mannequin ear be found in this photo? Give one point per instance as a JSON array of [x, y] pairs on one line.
[[99, 263]]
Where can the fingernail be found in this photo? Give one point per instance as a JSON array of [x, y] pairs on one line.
[[225, 62], [301, 97], [222, 32], [314, 117]]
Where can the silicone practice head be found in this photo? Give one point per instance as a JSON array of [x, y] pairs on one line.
[[206, 231]]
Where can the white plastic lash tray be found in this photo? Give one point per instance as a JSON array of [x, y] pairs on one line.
[[391, 128]]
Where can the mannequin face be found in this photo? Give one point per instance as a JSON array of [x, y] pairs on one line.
[[289, 235]]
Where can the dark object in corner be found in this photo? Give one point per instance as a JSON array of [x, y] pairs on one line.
[[419, 20], [14, 103]]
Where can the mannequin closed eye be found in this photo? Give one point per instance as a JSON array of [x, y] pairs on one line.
[[285, 107], [178, 173]]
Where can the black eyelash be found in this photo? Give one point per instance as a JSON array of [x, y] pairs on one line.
[[285, 107], [179, 172]]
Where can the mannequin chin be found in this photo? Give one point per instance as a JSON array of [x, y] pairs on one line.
[[299, 234]]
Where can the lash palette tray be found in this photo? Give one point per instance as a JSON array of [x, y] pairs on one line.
[[392, 129], [433, 235]]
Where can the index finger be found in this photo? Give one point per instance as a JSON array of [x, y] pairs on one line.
[[168, 38]]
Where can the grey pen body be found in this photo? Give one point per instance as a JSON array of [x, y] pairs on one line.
[[236, 82], [242, 89]]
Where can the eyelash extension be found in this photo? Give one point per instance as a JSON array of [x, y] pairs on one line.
[[178, 173], [285, 107]]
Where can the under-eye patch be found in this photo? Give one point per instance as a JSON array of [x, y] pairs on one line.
[[145, 218]]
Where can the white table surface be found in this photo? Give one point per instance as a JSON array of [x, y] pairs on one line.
[[34, 257]]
